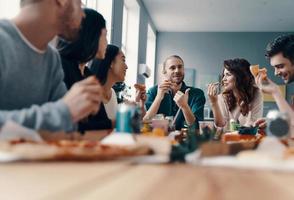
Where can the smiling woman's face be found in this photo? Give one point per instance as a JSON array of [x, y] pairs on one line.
[[118, 67], [228, 81]]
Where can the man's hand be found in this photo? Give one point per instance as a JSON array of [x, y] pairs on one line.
[[212, 93], [83, 98], [266, 85], [163, 88], [181, 99]]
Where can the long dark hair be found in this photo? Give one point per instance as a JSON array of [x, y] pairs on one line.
[[244, 83], [85, 47], [101, 67]]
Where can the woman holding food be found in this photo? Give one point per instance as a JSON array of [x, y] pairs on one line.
[[240, 99], [110, 70]]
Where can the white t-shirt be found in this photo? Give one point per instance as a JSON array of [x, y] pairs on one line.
[[111, 106]]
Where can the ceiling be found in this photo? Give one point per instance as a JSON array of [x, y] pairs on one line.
[[221, 15]]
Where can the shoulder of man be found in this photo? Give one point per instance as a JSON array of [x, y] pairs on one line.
[[5, 31], [52, 49], [53, 54]]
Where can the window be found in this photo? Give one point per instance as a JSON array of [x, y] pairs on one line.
[[84, 2], [124, 29], [150, 56], [104, 7], [130, 40], [9, 9]]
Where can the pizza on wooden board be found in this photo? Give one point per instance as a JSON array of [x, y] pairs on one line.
[[70, 150]]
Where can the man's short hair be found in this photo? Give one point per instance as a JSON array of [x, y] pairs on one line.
[[283, 44], [172, 56]]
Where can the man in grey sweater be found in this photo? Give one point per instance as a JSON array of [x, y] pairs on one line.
[[32, 91]]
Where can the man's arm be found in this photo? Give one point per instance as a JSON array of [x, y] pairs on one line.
[[188, 115], [58, 87], [83, 99], [154, 100], [194, 112], [50, 116], [271, 88], [181, 100], [283, 104]]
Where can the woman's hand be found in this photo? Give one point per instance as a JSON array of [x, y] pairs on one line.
[[163, 88], [140, 93], [212, 92]]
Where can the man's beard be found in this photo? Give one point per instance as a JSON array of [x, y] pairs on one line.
[[70, 35], [67, 32], [178, 82]]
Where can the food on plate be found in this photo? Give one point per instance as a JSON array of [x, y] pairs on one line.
[[69, 150], [235, 137], [157, 132]]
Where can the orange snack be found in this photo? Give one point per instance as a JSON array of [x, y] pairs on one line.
[[140, 87], [263, 72], [235, 137], [254, 69], [158, 132]]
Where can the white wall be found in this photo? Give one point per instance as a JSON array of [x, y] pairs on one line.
[[9, 8]]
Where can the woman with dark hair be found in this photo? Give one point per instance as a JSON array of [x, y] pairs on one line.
[[90, 44], [240, 99], [110, 70]]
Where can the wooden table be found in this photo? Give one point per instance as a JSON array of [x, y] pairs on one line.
[[123, 180]]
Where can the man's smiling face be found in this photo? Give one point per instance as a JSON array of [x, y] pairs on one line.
[[283, 67]]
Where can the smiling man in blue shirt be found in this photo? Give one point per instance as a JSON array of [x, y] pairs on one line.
[[173, 94]]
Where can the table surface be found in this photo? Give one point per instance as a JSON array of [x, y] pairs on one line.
[[124, 180]]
